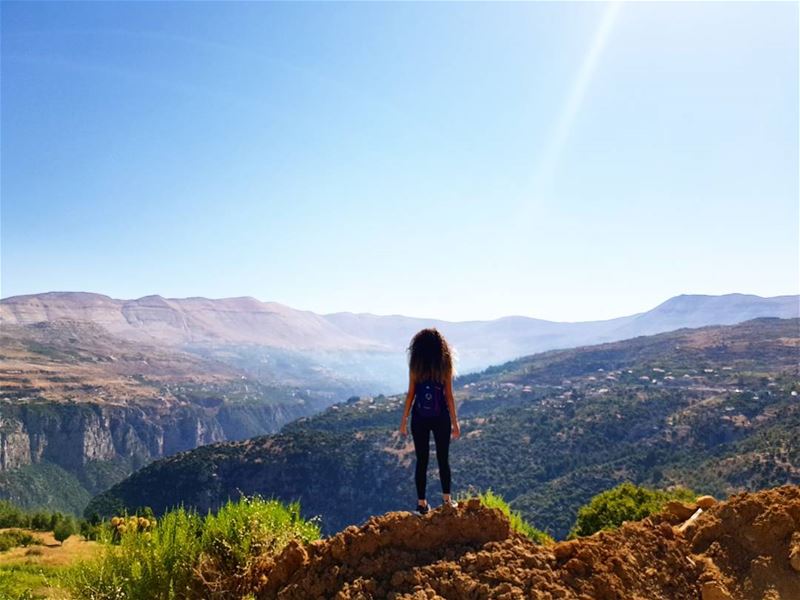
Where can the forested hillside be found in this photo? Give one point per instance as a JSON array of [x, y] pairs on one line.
[[715, 409], [81, 409]]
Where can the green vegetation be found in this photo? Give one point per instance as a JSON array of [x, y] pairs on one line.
[[187, 556], [625, 502], [23, 576], [22, 582], [518, 524], [710, 409], [13, 516], [11, 538], [64, 529], [45, 484]]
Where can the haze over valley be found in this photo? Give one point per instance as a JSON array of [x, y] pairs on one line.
[[714, 408], [94, 388], [358, 353]]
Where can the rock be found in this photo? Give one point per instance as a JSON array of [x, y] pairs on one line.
[[679, 510], [706, 502], [666, 530], [575, 567], [794, 558], [565, 550], [714, 590]]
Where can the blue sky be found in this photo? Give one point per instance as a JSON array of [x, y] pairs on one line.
[[567, 161]]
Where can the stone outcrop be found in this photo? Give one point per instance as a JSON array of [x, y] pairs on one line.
[[74, 436], [71, 435]]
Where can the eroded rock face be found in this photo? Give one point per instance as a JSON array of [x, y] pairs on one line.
[[71, 435], [15, 445], [74, 435]]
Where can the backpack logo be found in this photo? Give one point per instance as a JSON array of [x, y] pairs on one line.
[[429, 399]]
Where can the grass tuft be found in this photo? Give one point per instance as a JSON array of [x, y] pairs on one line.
[[186, 555], [518, 524]]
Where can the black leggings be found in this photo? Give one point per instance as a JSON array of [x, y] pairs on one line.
[[421, 428]]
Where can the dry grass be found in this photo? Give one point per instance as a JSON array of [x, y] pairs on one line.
[[37, 568], [52, 554]]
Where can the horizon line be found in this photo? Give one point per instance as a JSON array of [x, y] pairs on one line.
[[397, 315]]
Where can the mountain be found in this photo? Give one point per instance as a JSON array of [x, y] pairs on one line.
[[94, 387], [80, 408], [698, 311], [361, 352], [714, 408], [176, 321]]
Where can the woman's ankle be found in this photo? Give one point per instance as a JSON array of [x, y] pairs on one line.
[[422, 502]]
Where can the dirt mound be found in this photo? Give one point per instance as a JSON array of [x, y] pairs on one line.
[[751, 545], [742, 548]]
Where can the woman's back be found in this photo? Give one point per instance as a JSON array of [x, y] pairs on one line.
[[430, 392]]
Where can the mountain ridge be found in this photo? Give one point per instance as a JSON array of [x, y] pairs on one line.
[[359, 342]]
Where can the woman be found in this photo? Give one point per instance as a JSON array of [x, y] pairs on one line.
[[430, 389]]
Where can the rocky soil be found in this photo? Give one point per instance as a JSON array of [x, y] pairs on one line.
[[747, 548]]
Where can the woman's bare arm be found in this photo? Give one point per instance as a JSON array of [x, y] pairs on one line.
[[407, 408], [451, 404]]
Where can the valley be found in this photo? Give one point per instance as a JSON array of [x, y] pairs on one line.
[[93, 389], [715, 409], [80, 409]]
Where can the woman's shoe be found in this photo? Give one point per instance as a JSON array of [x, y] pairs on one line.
[[423, 510], [450, 504]]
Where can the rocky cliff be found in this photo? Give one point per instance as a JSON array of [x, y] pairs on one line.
[[95, 407], [98, 445], [73, 435]]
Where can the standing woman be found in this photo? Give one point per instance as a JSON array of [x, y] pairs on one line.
[[430, 389]]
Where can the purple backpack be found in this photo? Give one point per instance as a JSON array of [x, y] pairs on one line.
[[429, 399]]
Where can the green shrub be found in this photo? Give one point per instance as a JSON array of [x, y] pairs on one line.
[[14, 537], [518, 524], [41, 521], [55, 519], [153, 564], [12, 516], [242, 531], [90, 531], [187, 556], [625, 502], [63, 529]]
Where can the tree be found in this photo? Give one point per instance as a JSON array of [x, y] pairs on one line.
[[625, 502], [40, 521], [55, 518], [63, 529]]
